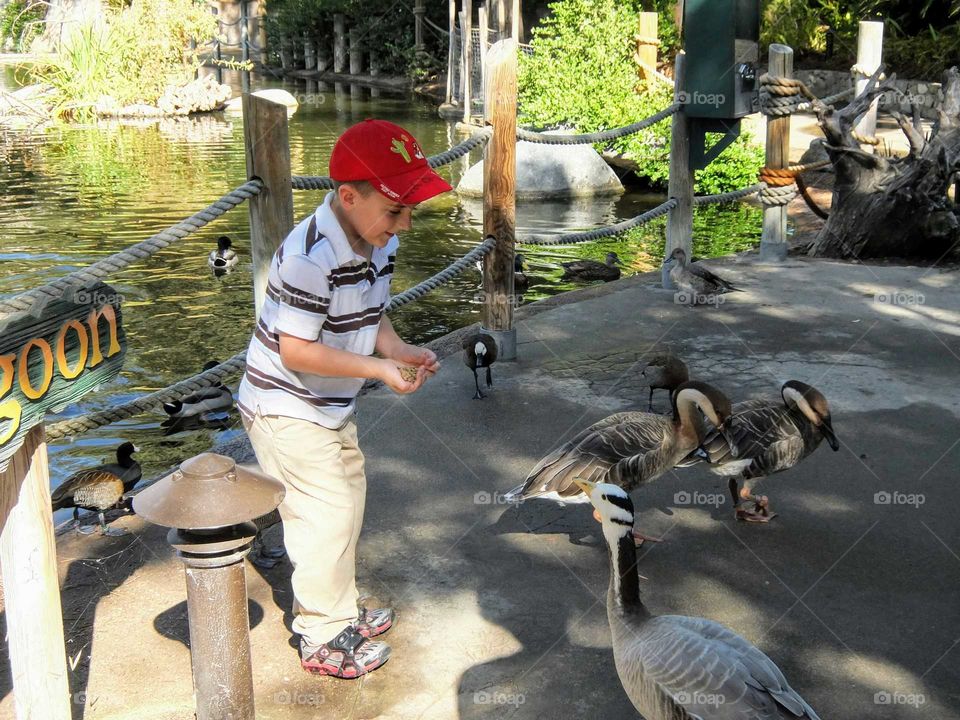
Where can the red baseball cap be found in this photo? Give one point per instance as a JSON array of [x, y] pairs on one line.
[[389, 158]]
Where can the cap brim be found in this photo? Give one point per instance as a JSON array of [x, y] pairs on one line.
[[414, 187]]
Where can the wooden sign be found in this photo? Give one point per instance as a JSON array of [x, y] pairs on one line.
[[53, 355]]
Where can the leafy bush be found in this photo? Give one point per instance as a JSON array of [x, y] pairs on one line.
[[21, 22], [582, 74]]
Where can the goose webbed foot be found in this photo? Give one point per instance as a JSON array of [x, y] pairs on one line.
[[760, 513], [640, 538], [86, 529], [113, 531]]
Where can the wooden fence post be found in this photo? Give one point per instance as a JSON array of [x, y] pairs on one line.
[[309, 52], [680, 188], [28, 552], [451, 60], [516, 22], [869, 58], [484, 46], [647, 43], [418, 12], [356, 52], [466, 72], [267, 144], [499, 196], [339, 44], [773, 241]]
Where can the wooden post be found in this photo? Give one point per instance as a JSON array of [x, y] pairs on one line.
[[244, 32], [28, 553], [647, 43], [516, 21], [484, 45], [869, 58], [499, 195], [267, 146], [309, 53], [285, 60], [356, 54], [418, 12], [680, 188], [466, 71], [501, 19], [261, 31], [451, 60], [339, 44], [773, 241], [374, 63]]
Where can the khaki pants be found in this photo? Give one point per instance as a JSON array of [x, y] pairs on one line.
[[322, 513]]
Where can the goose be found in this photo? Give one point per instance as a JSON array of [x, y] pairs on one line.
[[699, 284], [99, 489], [665, 371], [593, 270], [261, 554], [224, 256], [770, 436], [216, 398], [521, 283], [479, 351], [627, 448], [675, 667]]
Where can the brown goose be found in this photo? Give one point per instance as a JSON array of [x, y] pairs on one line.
[[770, 436], [696, 282], [665, 371], [99, 489], [627, 449], [592, 270], [674, 667]]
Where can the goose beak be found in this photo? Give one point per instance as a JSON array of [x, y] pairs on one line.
[[727, 433], [585, 485], [826, 427]]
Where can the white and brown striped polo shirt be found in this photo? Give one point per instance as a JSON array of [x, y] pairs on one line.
[[318, 289]]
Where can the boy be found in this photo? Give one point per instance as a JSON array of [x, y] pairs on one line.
[[321, 322]]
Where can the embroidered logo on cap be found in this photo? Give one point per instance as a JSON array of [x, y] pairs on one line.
[[400, 148]]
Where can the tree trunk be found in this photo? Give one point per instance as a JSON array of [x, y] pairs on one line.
[[892, 206], [62, 19]]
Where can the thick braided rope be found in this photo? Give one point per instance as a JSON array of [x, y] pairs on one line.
[[147, 403], [444, 276], [829, 100], [102, 268], [773, 196], [598, 233], [728, 196], [323, 182], [597, 137]]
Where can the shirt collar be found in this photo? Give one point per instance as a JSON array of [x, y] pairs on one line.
[[329, 226]]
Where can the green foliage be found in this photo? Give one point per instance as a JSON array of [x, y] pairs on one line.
[[21, 21], [132, 56], [582, 74]]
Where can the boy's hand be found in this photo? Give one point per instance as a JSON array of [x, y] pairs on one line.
[[420, 357], [393, 377]]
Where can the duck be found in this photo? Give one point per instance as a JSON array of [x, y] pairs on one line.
[[99, 489], [216, 398], [770, 436], [521, 283], [696, 282], [627, 449], [224, 256], [480, 351], [592, 270], [665, 371], [676, 666]]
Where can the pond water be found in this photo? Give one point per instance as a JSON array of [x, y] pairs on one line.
[[71, 195]]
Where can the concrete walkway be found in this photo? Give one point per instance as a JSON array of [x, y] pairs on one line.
[[852, 589]]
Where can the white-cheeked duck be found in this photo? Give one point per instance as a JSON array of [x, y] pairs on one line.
[[99, 489]]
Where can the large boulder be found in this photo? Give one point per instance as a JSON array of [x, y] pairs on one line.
[[275, 95], [552, 171]]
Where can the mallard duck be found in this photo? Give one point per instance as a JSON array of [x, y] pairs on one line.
[[672, 666], [696, 282], [479, 351], [665, 371], [627, 448], [216, 398], [223, 257], [99, 489], [521, 283], [770, 436], [592, 270]]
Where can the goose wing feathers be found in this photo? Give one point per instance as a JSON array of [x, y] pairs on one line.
[[709, 277], [710, 670], [593, 452]]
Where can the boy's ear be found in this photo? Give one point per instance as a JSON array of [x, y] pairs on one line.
[[347, 196]]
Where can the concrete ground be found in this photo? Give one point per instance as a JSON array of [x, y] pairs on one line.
[[852, 590]]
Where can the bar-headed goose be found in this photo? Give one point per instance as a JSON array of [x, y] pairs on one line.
[[770, 436], [674, 667]]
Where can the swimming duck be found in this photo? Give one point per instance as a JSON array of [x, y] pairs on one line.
[[216, 398], [695, 281], [770, 436], [99, 489], [674, 667], [479, 351], [627, 448], [593, 270], [223, 257], [665, 371], [521, 283]]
